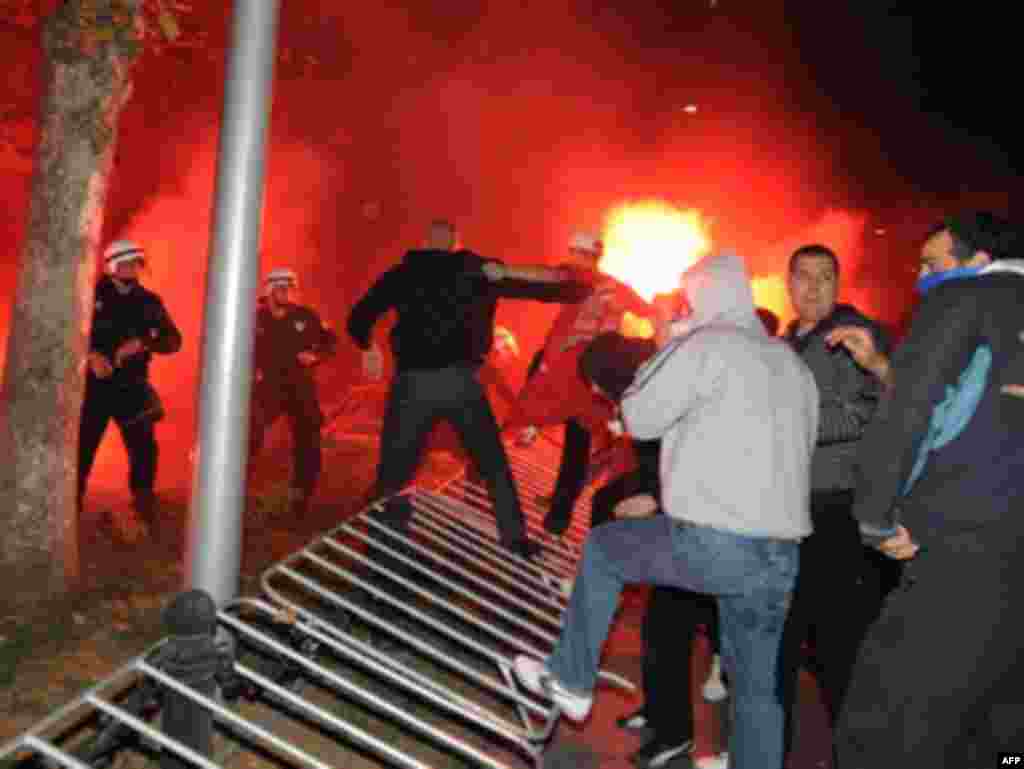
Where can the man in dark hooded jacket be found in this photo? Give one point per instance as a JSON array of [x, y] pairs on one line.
[[941, 479]]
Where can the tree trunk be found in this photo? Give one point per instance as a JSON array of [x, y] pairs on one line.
[[90, 46]]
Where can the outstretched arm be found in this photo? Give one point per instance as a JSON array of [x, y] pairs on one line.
[[537, 273], [537, 282]]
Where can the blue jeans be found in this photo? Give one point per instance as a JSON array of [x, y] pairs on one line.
[[752, 578]]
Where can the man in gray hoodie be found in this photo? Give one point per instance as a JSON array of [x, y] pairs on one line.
[[737, 415]]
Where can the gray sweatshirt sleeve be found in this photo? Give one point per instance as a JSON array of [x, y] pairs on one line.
[[668, 386]]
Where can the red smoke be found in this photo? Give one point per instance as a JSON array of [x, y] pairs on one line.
[[520, 122]]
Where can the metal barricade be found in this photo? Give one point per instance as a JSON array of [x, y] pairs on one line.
[[384, 623]]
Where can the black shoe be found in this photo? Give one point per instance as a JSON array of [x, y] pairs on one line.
[[526, 548], [657, 752], [556, 529], [633, 722]]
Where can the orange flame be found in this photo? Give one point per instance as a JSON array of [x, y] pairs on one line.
[[770, 292], [649, 244]]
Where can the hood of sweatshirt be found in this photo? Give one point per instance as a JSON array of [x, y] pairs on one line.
[[718, 290]]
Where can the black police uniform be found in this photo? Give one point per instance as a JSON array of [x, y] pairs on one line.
[[126, 396], [285, 387]]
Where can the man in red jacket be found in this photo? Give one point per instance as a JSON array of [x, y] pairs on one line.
[[554, 392]]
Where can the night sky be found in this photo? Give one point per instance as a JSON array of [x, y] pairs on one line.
[[829, 121]]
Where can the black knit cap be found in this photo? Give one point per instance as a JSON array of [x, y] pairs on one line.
[[611, 361]]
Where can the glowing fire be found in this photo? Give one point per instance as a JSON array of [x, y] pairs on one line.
[[651, 243], [770, 292]]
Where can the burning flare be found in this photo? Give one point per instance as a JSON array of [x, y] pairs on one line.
[[651, 243]]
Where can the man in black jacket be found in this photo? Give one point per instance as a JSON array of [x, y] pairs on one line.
[[129, 324], [446, 301], [941, 479], [836, 569], [291, 340]]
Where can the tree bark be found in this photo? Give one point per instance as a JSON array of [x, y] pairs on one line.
[[89, 47]]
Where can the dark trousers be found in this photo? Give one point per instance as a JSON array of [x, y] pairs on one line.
[[417, 401], [297, 401], [102, 403], [669, 626], [939, 681], [839, 592], [639, 481], [572, 475]]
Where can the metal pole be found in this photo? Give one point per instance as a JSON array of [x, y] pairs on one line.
[[218, 493]]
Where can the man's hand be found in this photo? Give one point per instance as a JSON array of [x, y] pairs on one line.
[[99, 365], [308, 359], [899, 547], [861, 345], [663, 305], [636, 327], [126, 350], [670, 312], [373, 364], [639, 506], [494, 271]]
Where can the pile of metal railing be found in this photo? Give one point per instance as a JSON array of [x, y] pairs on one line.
[[387, 641]]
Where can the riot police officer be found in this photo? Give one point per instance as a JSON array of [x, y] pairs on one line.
[[290, 341], [130, 324]]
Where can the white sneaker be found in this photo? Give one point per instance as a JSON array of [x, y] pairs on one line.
[[535, 676], [721, 761], [714, 688]]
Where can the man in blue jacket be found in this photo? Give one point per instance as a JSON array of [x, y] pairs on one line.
[[941, 483]]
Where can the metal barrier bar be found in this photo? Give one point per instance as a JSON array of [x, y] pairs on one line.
[[572, 538], [388, 673], [140, 726], [554, 557], [474, 605], [54, 753], [480, 582], [477, 533], [428, 527], [329, 720]]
